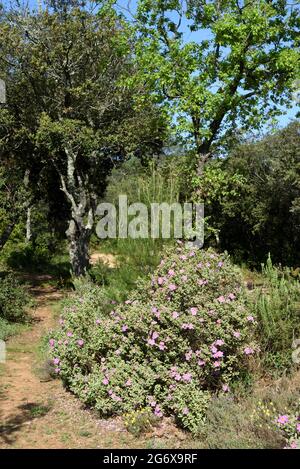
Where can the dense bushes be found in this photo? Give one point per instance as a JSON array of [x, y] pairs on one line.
[[179, 337], [252, 198], [13, 299]]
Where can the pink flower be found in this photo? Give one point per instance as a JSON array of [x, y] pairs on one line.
[[185, 411], [177, 376], [293, 445], [184, 278], [127, 302], [158, 411], [218, 354], [225, 387], [237, 334], [51, 342], [221, 299], [194, 311], [124, 328], [219, 342], [199, 266], [201, 362], [172, 287], [105, 381], [216, 364], [69, 334], [171, 273], [160, 280], [231, 296], [248, 351], [187, 377], [98, 321], [61, 321], [183, 257], [56, 361], [175, 315], [188, 355], [161, 346], [213, 349], [80, 342], [151, 342], [128, 382], [283, 419], [220, 264], [192, 254], [66, 342], [202, 282], [298, 427], [187, 326], [250, 318], [155, 335], [154, 310], [57, 370]]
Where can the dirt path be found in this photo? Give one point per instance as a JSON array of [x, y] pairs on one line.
[[36, 412]]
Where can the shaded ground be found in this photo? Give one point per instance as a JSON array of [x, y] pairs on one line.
[[37, 412]]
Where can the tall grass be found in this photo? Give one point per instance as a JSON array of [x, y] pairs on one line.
[[158, 182]]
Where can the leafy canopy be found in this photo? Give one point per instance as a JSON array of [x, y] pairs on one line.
[[219, 64]]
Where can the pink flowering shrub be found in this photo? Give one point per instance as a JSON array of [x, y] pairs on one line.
[[182, 335]]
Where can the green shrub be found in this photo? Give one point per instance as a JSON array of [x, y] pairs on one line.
[[182, 335], [8, 329], [14, 299], [278, 312]]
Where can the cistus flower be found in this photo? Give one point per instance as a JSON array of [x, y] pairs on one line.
[[283, 419], [248, 351], [221, 299]]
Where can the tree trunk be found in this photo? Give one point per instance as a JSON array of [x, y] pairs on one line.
[[78, 237], [28, 225], [82, 215], [202, 158]]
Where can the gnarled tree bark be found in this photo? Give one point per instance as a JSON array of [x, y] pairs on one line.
[[82, 215]]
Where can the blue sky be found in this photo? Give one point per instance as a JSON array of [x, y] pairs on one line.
[[288, 114]]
